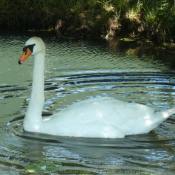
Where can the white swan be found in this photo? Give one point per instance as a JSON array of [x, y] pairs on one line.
[[103, 117]]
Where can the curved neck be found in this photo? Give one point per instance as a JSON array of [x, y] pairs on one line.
[[34, 111]]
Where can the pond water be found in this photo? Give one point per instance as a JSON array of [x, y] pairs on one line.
[[76, 70]]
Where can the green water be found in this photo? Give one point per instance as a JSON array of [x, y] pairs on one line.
[[77, 70]]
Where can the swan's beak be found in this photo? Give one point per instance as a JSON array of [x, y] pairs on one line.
[[24, 56]]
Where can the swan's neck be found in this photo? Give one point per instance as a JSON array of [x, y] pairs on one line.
[[33, 117]]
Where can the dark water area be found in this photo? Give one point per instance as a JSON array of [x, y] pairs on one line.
[[76, 70]]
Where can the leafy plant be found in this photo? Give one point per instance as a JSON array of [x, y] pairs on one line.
[[43, 166], [153, 19]]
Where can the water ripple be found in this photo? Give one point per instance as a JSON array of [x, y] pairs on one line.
[[78, 70]]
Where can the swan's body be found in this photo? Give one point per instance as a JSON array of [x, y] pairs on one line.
[[103, 117]]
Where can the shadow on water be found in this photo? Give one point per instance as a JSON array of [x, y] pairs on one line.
[[78, 70]]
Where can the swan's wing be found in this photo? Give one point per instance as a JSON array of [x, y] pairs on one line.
[[106, 112]]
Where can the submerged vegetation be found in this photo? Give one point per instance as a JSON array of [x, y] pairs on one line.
[[150, 19]]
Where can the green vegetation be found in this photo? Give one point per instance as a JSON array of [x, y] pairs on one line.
[[43, 166], [154, 20]]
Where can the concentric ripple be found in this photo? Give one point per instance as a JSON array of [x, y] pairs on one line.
[[78, 70]]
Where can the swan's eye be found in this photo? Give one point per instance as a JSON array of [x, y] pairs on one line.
[[25, 50], [28, 47]]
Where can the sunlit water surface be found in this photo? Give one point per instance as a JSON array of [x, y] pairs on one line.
[[78, 70]]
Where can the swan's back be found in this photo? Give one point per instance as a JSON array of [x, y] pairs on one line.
[[102, 117]]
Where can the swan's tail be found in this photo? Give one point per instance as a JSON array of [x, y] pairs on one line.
[[160, 117], [167, 113]]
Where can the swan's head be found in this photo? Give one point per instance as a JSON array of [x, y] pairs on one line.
[[33, 46]]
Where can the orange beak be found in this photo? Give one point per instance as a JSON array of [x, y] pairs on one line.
[[24, 56]]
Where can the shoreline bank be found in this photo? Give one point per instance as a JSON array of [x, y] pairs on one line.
[[154, 21]]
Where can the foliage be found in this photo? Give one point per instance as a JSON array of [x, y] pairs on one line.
[[43, 166], [153, 19]]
